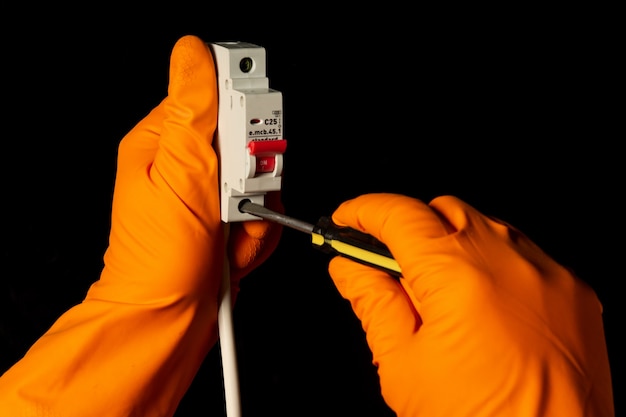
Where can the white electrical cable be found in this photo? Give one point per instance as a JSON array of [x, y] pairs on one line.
[[227, 342]]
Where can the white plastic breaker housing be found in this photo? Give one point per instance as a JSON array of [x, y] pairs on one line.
[[249, 137]]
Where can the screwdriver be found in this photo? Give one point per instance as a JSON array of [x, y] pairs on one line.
[[331, 238]]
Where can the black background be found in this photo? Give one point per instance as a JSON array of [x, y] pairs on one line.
[[510, 110]]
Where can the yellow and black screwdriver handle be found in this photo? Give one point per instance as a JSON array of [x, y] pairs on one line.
[[333, 239], [350, 243]]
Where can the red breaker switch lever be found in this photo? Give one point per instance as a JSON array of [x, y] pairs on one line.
[[267, 156]]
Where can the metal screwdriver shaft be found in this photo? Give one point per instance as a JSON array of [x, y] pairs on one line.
[[249, 207], [330, 238]]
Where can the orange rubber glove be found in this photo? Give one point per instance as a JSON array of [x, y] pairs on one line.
[[483, 323], [133, 346]]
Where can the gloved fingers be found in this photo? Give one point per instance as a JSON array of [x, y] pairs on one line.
[[456, 212], [460, 215], [495, 244], [423, 242], [248, 251], [385, 309], [137, 149], [383, 215], [166, 210], [406, 225], [186, 162], [251, 242]]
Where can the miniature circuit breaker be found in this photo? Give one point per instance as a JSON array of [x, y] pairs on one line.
[[249, 137]]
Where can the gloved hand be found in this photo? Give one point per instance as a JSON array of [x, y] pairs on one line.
[[133, 346], [483, 322]]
